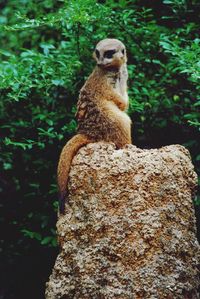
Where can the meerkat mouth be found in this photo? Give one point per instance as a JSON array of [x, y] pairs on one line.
[[111, 66]]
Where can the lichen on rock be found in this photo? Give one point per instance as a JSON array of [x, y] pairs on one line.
[[129, 228]]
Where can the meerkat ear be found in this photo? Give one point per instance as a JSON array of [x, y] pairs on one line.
[[94, 56]]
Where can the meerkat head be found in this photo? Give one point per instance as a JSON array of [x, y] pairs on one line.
[[110, 53]]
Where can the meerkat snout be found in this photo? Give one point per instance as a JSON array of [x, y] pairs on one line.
[[110, 53]]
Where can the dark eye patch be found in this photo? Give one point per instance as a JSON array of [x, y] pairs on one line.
[[97, 53], [109, 53], [123, 51]]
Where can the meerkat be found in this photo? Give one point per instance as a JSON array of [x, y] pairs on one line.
[[101, 108]]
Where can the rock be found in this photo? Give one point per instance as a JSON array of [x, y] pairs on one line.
[[129, 229]]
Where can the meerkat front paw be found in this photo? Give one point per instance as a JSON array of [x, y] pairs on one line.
[[119, 102], [122, 106]]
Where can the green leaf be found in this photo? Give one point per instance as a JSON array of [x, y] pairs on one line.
[[46, 240], [58, 82]]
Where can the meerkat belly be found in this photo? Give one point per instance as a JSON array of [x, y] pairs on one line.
[[119, 86], [116, 113], [120, 89], [118, 124]]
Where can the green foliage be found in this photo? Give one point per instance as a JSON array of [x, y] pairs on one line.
[[45, 58]]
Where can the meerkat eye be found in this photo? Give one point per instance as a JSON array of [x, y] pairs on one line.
[[123, 51], [97, 53], [109, 53]]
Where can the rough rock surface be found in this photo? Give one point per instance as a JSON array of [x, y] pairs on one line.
[[129, 228]]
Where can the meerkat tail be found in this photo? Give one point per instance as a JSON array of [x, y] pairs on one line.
[[66, 157]]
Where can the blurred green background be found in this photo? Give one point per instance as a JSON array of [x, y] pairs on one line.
[[45, 57]]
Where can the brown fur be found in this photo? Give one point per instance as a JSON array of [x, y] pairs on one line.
[[100, 114]]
